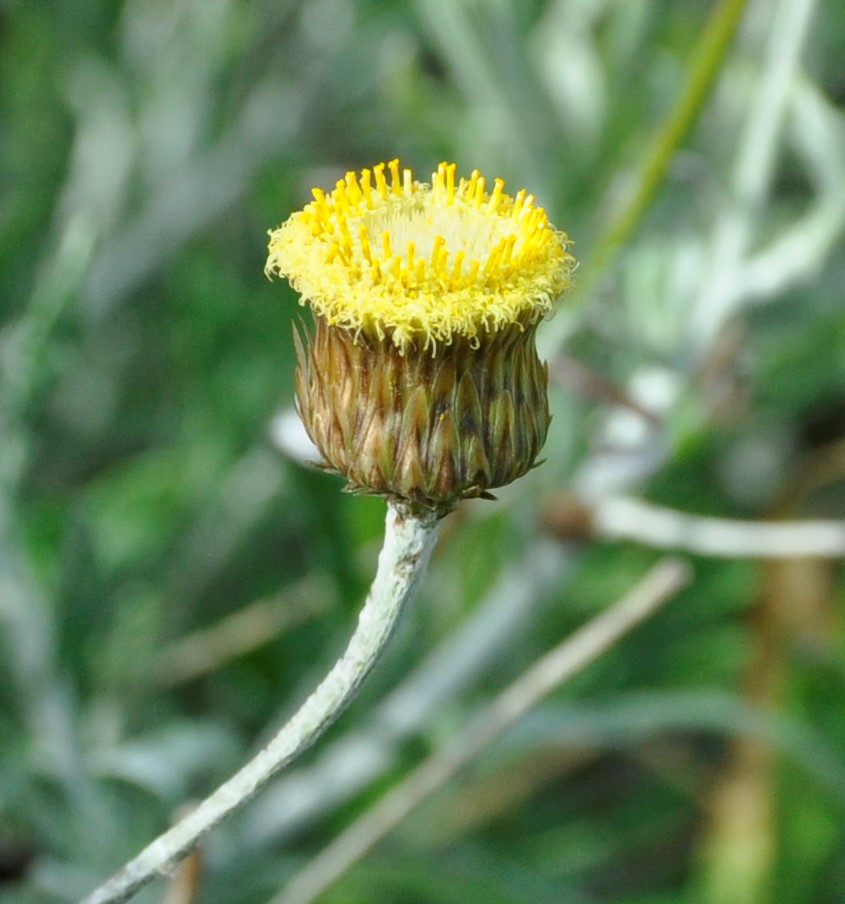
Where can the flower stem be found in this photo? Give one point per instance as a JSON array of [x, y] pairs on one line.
[[409, 538]]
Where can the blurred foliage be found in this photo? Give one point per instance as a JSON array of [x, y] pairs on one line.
[[148, 492]]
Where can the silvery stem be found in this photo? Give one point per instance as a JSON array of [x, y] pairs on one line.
[[408, 541]]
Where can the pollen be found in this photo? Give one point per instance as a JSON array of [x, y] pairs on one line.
[[420, 263]]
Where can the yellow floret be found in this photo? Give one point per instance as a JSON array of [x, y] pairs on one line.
[[419, 263]]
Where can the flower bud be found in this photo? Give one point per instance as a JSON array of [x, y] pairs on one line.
[[421, 380]]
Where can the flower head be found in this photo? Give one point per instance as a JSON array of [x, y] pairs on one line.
[[420, 264], [422, 381]]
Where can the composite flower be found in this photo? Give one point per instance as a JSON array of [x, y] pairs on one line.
[[420, 380]]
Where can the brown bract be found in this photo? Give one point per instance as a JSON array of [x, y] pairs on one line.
[[425, 429]]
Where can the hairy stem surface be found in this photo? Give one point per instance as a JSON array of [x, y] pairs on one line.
[[408, 541]]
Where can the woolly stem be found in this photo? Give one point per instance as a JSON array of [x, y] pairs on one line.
[[409, 538]]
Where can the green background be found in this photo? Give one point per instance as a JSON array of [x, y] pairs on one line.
[[148, 491]]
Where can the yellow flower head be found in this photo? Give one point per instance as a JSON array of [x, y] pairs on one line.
[[420, 264], [421, 380]]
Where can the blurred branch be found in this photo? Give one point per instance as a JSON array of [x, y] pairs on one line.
[[488, 64], [705, 65], [538, 681], [816, 130], [595, 386], [630, 717], [408, 542], [796, 610], [625, 518], [195, 196], [243, 631], [753, 167]]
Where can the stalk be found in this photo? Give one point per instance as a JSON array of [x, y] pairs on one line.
[[408, 541]]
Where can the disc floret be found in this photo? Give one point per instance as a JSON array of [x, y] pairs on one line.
[[419, 263]]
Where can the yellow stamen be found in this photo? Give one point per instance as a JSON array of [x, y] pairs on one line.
[[353, 190], [518, 203], [496, 196], [364, 238], [457, 270], [395, 181], [495, 257], [366, 188], [440, 268], [381, 183], [469, 188], [439, 242], [450, 183]]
